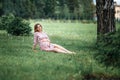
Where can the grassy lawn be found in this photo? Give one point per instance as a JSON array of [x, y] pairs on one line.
[[19, 62]]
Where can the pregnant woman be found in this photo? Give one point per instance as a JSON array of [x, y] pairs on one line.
[[43, 40]]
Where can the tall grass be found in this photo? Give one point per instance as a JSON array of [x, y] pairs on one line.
[[19, 62]]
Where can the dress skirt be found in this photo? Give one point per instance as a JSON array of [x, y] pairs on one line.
[[47, 46]]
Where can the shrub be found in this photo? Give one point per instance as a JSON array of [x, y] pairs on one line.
[[109, 49], [19, 27], [5, 20]]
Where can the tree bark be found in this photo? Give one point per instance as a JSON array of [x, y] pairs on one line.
[[105, 11]]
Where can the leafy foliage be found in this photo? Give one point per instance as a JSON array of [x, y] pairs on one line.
[[60, 9], [109, 49], [14, 25], [19, 27], [5, 20]]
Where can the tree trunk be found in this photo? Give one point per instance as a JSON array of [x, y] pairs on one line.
[[105, 16]]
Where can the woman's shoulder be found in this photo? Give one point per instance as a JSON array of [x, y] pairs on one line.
[[44, 32], [36, 33]]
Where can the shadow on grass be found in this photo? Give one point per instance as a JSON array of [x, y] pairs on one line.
[[101, 76], [33, 72]]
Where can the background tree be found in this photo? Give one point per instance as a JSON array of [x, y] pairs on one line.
[[105, 15], [72, 5], [1, 5], [39, 6], [88, 8], [60, 9], [108, 39], [49, 8]]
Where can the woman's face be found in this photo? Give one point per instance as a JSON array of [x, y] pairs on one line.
[[39, 28]]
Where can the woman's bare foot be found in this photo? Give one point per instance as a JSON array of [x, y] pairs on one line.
[[71, 53]]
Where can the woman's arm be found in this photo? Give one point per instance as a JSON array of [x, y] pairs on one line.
[[35, 41]]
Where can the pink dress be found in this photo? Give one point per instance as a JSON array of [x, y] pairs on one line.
[[43, 40]]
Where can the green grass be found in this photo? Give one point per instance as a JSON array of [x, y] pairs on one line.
[[19, 62]]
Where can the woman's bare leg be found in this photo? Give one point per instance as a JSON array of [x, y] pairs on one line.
[[56, 50], [62, 48], [59, 50]]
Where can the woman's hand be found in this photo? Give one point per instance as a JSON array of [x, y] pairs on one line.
[[33, 48], [35, 51]]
